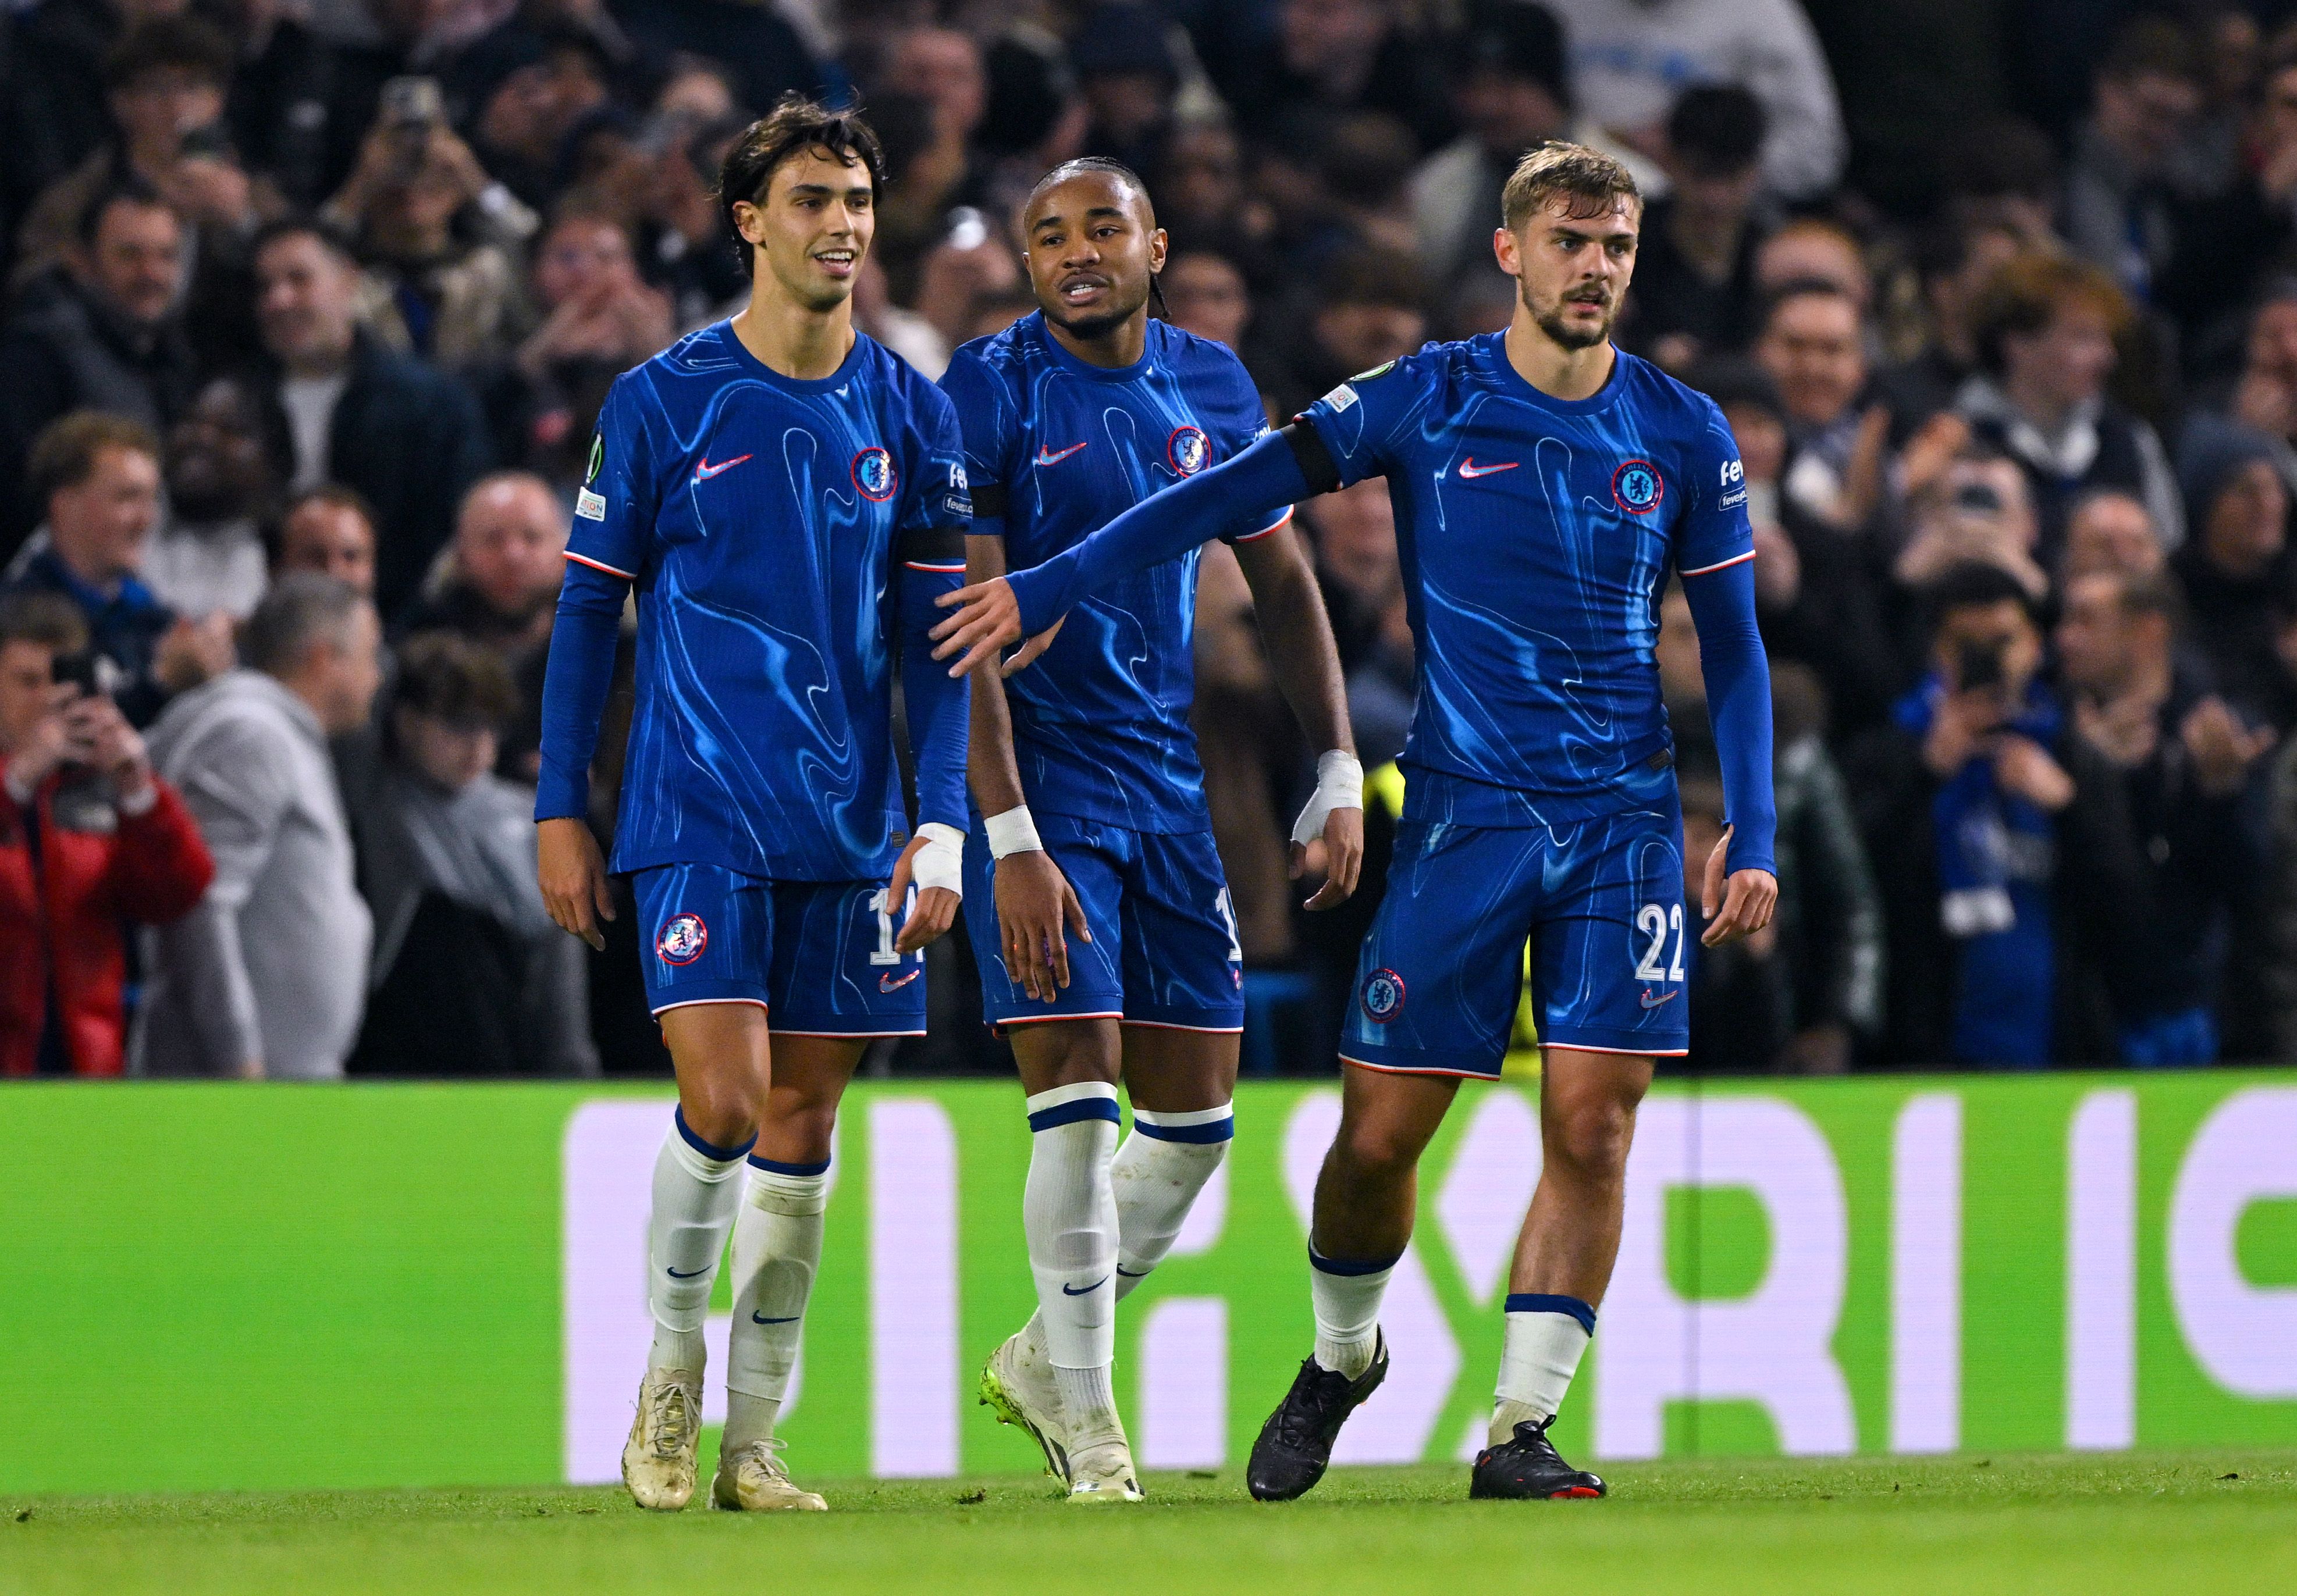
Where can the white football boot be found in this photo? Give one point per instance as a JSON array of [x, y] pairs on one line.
[[1016, 1385], [754, 1479], [658, 1459], [1103, 1473]]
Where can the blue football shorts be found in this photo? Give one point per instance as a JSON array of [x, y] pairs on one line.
[[818, 955], [1163, 949], [1600, 902]]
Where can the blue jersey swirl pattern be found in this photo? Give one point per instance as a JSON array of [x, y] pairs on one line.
[[1100, 723], [758, 515]]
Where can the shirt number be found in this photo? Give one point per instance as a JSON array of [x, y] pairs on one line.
[[1656, 921]]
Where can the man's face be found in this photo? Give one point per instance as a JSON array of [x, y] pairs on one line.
[[582, 259], [2277, 119], [941, 67], [305, 299], [1204, 174], [1355, 539], [814, 228], [510, 545], [100, 525], [2001, 628], [135, 261], [2112, 532], [164, 103], [2273, 339], [329, 539], [2144, 115], [1312, 32], [1812, 350], [1807, 254], [27, 689], [1355, 336], [1761, 437], [1206, 296], [216, 464], [1093, 245], [2100, 644], [445, 754], [346, 678], [2069, 360], [1710, 198], [1508, 113], [1572, 272], [2249, 520]]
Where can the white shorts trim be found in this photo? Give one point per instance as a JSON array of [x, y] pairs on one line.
[[1397, 1069], [1201, 1030], [843, 1036], [1049, 1019], [704, 1002], [1581, 1046]]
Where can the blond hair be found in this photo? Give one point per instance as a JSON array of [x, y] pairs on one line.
[[1590, 182]]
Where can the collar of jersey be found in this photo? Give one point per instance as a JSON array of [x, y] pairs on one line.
[[1491, 353], [1086, 368], [767, 374]]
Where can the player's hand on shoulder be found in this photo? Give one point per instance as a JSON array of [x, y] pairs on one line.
[[1035, 907], [573, 875], [986, 617], [1736, 907]]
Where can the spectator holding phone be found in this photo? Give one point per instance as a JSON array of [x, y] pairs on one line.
[[2002, 843], [89, 840]]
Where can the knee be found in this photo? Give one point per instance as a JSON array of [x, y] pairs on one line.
[[799, 1127], [722, 1109], [1376, 1149], [1589, 1136]]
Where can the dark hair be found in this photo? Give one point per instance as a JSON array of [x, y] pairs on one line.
[[446, 676], [1974, 585], [1590, 180], [126, 189], [2002, 156], [2151, 46], [274, 529], [64, 455], [795, 126], [163, 43], [1374, 277], [1716, 128], [48, 618], [302, 608], [1801, 288], [302, 226]]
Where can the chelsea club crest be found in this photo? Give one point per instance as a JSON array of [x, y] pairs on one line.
[[682, 939], [1187, 450], [1383, 996], [873, 474], [1638, 486]]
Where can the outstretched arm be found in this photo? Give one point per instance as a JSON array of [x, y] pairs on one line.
[[1280, 469], [1738, 706], [1307, 663]]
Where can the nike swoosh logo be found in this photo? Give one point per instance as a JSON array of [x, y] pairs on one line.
[[689, 1274], [1469, 470], [1129, 1275], [1086, 1291], [1043, 458], [1651, 1002], [703, 471], [757, 1318], [886, 984]]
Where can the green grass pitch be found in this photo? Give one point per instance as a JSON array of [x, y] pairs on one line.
[[2200, 1522]]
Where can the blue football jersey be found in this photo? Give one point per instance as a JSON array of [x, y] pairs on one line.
[[772, 525], [1535, 535], [1101, 722]]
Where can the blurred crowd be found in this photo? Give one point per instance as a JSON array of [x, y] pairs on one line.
[[310, 306]]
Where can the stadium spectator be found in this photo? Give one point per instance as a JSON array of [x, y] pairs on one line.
[[1740, 1001], [106, 335], [2045, 330], [227, 465], [89, 841], [407, 437], [1953, 261], [52, 105], [2002, 846], [1337, 55], [2264, 393], [2185, 761], [266, 977], [497, 589], [1695, 285], [98, 477], [2110, 530], [1370, 309], [1510, 85], [1813, 346], [470, 976], [2239, 580], [1248, 743], [1630, 58], [1976, 509], [326, 531], [1205, 294], [2120, 206], [2228, 246], [1824, 991], [1811, 249], [1127, 78]]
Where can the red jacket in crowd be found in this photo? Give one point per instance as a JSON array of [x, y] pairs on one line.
[[70, 911]]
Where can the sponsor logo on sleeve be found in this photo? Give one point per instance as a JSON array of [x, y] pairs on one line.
[[589, 506], [1341, 398], [958, 499]]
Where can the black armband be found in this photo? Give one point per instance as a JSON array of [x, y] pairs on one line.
[[989, 500], [931, 546], [1315, 461]]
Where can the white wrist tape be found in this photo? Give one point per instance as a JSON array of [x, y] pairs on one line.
[[941, 863], [1340, 785], [1012, 832]]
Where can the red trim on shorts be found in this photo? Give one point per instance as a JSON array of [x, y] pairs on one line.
[[1047, 1019], [1581, 1046], [698, 1002], [1397, 1069], [843, 1036]]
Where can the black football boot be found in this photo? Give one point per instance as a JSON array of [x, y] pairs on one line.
[[1527, 1468], [1296, 1444]]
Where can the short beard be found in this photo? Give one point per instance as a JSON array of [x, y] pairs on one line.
[[1087, 329], [1562, 332]]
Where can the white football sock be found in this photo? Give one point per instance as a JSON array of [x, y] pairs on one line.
[[1347, 1293], [695, 1194], [777, 1253], [1068, 1213], [1546, 1337], [1156, 1176]]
